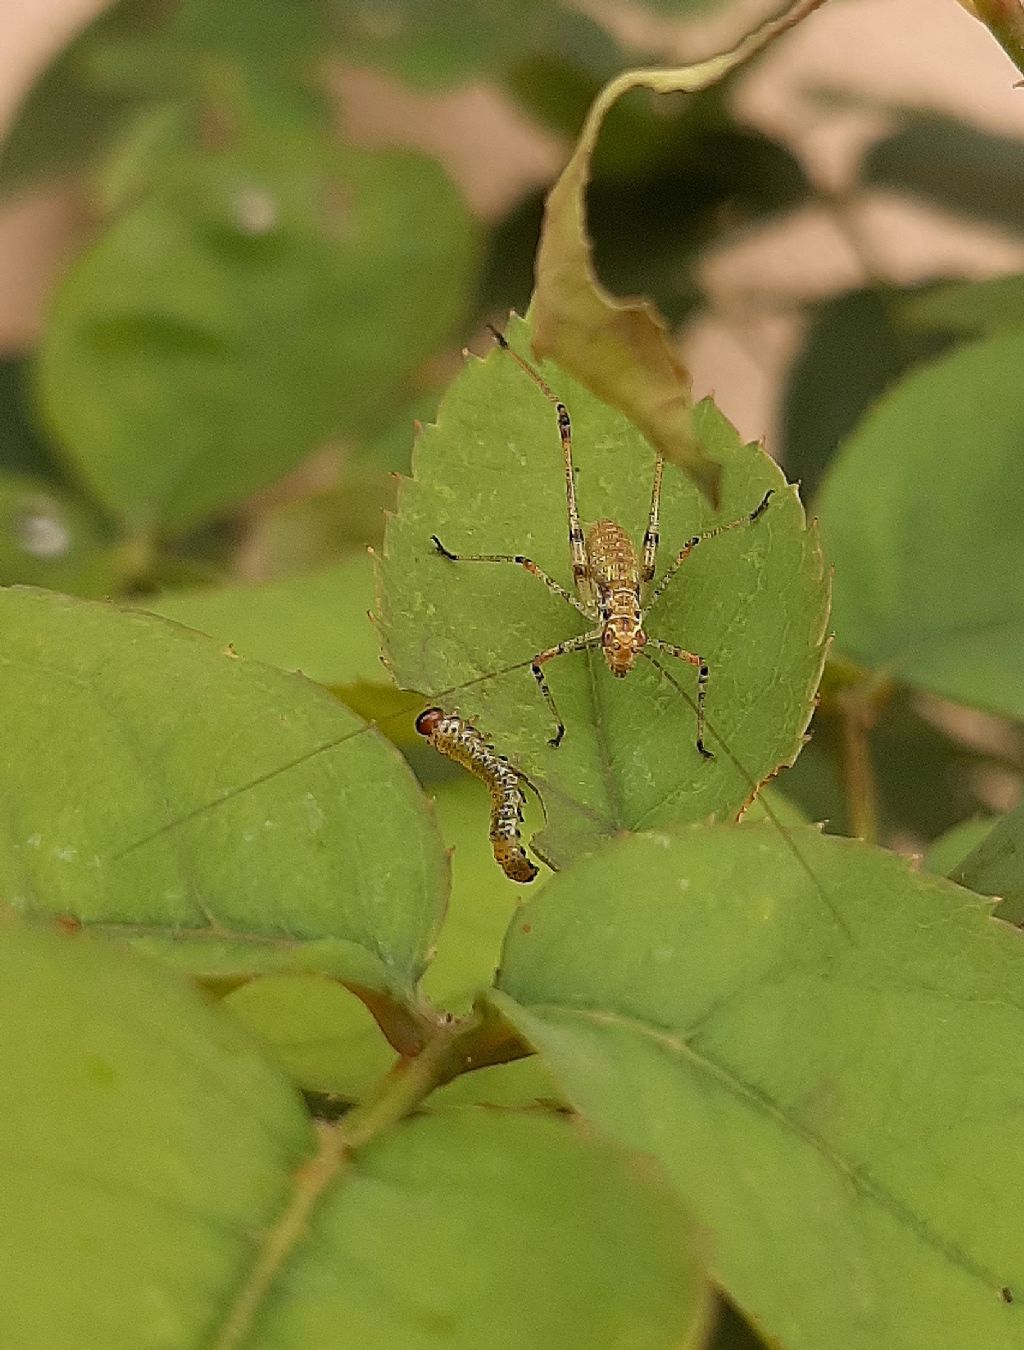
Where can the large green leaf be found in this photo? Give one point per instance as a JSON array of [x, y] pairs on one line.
[[488, 477], [324, 1037], [443, 42], [481, 1231], [257, 302], [975, 307], [923, 516], [995, 865], [161, 788], [316, 623], [163, 1190], [145, 1145], [824, 1050]]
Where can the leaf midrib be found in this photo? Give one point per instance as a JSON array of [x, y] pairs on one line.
[[854, 1174]]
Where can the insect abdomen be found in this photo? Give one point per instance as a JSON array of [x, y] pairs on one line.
[[613, 559], [450, 735]]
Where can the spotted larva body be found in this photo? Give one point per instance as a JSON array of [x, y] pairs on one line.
[[460, 741]]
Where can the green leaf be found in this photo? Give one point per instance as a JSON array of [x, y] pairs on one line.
[[230, 818], [483, 900], [480, 1231], [857, 346], [974, 307], [146, 1146], [822, 1048], [946, 853], [923, 516], [995, 866], [316, 623], [437, 45], [488, 478], [325, 1038], [254, 305], [316, 1031], [145, 1137], [50, 538]]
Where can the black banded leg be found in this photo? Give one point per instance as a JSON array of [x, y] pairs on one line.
[[651, 535], [691, 544], [692, 659], [577, 539], [576, 644], [526, 563]]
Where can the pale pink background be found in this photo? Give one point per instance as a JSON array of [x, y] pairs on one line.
[[925, 52]]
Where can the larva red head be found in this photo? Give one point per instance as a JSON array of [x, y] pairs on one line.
[[429, 720]]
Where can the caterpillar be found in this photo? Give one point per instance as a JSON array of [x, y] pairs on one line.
[[452, 736]]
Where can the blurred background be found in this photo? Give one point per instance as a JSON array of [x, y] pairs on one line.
[[242, 247]]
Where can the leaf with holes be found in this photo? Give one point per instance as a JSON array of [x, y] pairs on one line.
[[488, 478], [226, 816], [823, 1049]]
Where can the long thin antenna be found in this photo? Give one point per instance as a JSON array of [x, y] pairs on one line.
[[304, 758], [766, 806]]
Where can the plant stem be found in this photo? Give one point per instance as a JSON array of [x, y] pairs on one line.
[[400, 1091], [856, 717]]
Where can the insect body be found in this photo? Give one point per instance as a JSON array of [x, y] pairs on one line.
[[614, 585], [460, 741]]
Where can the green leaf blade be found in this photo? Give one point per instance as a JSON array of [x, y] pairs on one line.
[[315, 622], [131, 1200], [229, 817], [922, 515], [173, 1197], [481, 1230], [488, 478], [848, 1093], [223, 328]]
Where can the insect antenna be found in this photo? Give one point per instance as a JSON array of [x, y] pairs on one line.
[[766, 806], [231, 793]]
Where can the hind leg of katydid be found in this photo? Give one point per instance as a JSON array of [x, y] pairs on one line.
[[576, 644], [691, 659], [520, 560]]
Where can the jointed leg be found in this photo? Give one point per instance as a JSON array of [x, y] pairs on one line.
[[691, 544], [651, 536], [576, 644], [527, 563], [577, 542], [691, 658]]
